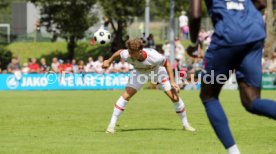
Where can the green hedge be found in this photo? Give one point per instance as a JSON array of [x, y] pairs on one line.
[[48, 50], [5, 57]]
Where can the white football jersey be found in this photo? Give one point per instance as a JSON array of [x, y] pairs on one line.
[[153, 60]]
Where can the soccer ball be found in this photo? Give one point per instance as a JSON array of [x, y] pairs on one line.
[[102, 36]]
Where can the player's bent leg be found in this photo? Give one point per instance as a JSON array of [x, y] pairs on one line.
[[180, 109], [172, 95], [209, 96], [250, 81], [248, 94], [119, 108], [128, 93], [250, 98]]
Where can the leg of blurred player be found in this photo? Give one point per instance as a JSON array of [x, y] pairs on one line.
[[209, 96], [250, 81], [239, 49], [244, 58], [250, 98], [120, 107]]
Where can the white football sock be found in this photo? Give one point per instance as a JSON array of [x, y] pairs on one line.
[[118, 110], [233, 150], [181, 111]]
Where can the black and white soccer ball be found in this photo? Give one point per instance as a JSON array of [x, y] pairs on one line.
[[102, 36]]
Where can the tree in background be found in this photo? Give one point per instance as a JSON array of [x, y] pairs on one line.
[[120, 14], [270, 45], [161, 8], [6, 11], [4, 3], [4, 15], [70, 18], [5, 55]]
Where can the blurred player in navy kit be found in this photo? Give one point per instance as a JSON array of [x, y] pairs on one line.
[[237, 44]]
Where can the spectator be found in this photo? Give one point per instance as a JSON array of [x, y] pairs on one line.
[[159, 49], [266, 62], [55, 65], [29, 61], [13, 66], [179, 50], [61, 66], [272, 67], [123, 66], [202, 36], [44, 67], [151, 42], [197, 64], [183, 24], [175, 66], [18, 61], [25, 68], [33, 66], [208, 39], [113, 68], [75, 66], [191, 83], [105, 23], [90, 66], [68, 67], [166, 49], [38, 25], [144, 39], [81, 67], [98, 65]]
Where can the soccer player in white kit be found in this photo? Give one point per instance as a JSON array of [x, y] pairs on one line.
[[148, 65]]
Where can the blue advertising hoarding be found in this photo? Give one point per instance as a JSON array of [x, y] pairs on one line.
[[53, 81], [269, 81], [93, 81]]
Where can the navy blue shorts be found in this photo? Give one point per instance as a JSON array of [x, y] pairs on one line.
[[245, 60]]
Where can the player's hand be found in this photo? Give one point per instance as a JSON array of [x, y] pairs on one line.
[[106, 64], [175, 87], [192, 50]]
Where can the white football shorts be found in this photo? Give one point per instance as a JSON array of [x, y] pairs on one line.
[[157, 76]]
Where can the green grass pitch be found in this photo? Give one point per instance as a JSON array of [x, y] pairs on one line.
[[75, 122]]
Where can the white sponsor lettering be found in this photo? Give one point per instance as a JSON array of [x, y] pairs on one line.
[[234, 6], [108, 81], [85, 81], [116, 82], [79, 81], [34, 82], [68, 81]]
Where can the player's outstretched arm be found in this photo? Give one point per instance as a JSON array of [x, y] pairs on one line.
[[194, 25], [115, 56], [259, 4]]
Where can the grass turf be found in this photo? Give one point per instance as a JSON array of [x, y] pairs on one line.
[[75, 122]]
